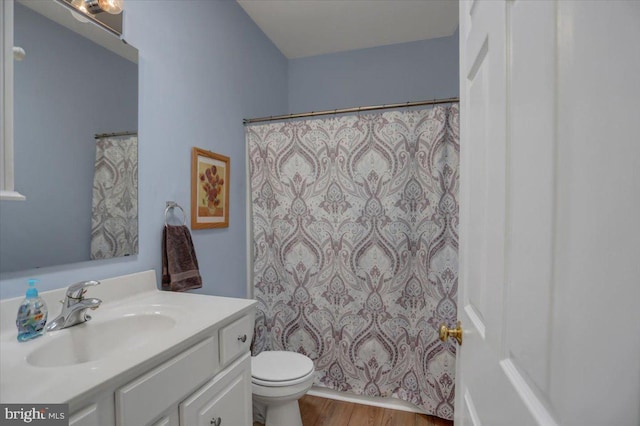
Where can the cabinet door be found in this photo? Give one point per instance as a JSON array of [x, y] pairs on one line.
[[147, 397], [169, 419], [223, 401], [85, 417]]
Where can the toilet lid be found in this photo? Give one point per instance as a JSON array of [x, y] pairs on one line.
[[280, 366]]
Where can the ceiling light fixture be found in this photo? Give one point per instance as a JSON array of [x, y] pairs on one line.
[[79, 5], [110, 6]]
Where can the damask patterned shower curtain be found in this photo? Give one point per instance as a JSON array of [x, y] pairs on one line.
[[355, 242], [114, 217]]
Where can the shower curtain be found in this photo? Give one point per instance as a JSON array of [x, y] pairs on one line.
[[114, 217], [355, 249]]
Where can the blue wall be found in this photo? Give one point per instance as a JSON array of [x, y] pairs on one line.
[[66, 90], [202, 69], [379, 75]]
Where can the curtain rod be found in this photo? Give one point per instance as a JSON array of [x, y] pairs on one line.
[[104, 135], [346, 110]]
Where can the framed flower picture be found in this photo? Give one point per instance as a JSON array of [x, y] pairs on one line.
[[209, 190]]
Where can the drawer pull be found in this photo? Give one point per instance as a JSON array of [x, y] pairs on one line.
[[216, 421], [242, 338]]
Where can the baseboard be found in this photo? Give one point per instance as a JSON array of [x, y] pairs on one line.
[[390, 403]]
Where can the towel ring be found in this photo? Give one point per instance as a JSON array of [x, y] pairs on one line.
[[171, 205]]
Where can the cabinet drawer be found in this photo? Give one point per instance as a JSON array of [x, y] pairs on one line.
[[225, 400], [235, 339], [150, 395]]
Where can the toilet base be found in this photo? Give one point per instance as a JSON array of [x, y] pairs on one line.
[[281, 407], [285, 414]]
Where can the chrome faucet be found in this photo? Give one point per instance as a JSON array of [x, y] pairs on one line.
[[74, 306]]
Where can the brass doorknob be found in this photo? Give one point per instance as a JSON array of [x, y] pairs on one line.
[[446, 332]]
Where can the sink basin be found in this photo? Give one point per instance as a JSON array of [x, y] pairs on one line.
[[92, 341]]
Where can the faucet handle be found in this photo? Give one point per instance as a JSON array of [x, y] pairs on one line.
[[75, 291]]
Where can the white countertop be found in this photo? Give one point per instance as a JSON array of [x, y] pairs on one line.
[[21, 382]]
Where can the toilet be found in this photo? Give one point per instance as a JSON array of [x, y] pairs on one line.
[[278, 380]]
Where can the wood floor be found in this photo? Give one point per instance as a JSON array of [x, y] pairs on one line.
[[317, 411]]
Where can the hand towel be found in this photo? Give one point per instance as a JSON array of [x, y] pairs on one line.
[[179, 263]]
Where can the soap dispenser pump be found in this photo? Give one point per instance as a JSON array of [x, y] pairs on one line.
[[32, 314]]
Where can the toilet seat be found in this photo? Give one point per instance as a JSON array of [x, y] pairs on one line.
[[280, 368], [280, 384]]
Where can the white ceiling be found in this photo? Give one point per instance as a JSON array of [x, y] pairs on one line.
[[302, 28]]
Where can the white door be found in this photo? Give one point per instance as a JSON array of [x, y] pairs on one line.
[[550, 213]]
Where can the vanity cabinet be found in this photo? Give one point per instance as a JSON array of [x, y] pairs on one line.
[[148, 357], [208, 383]]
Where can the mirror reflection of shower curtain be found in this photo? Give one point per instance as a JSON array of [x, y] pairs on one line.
[[355, 249], [114, 217]]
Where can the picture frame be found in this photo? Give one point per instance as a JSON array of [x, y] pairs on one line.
[[210, 174]]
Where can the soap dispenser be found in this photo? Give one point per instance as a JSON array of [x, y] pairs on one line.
[[32, 314]]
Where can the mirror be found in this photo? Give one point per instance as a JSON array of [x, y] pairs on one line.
[[76, 83]]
